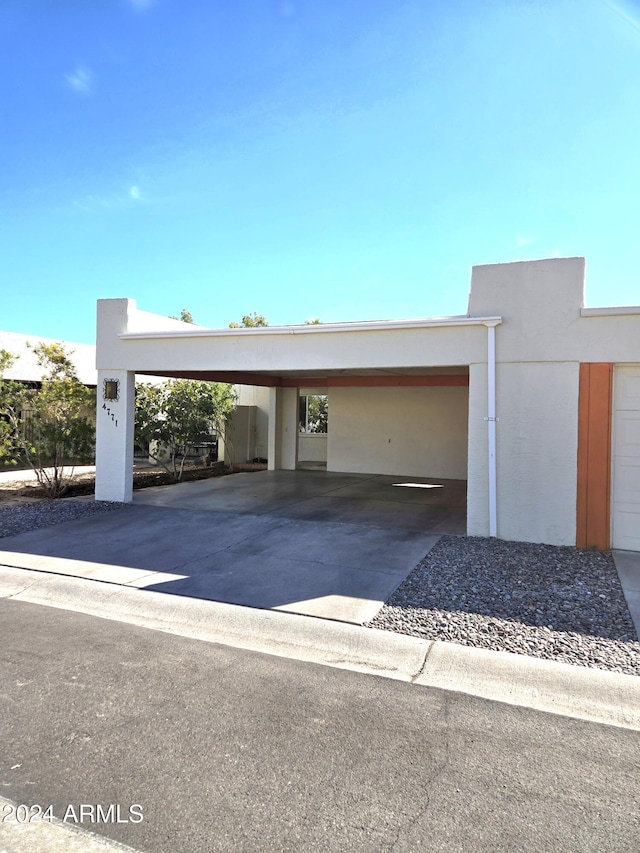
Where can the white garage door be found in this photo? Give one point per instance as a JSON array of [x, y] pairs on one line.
[[626, 459]]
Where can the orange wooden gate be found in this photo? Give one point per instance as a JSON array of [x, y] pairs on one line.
[[594, 456]]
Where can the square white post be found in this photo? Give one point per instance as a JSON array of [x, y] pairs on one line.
[[283, 429], [289, 429], [114, 435], [274, 429]]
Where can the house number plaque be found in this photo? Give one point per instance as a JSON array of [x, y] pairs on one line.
[[110, 393], [111, 389]]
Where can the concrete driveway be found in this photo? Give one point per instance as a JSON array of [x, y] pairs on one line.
[[313, 542]]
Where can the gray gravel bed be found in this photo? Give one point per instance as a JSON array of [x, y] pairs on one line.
[[558, 603], [45, 513]]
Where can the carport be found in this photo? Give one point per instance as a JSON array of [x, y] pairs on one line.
[[400, 393]]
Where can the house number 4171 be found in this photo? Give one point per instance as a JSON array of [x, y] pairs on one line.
[[110, 414]]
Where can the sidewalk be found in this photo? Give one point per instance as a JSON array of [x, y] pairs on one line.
[[587, 694], [26, 476]]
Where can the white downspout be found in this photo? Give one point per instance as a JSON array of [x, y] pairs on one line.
[[491, 421]]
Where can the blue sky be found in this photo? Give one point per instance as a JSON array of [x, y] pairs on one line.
[[340, 159]]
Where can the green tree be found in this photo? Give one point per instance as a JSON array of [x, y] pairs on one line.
[[52, 426], [185, 316], [314, 321], [10, 394], [6, 361], [250, 321], [179, 413]]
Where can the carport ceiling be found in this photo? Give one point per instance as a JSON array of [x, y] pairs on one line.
[[455, 375]]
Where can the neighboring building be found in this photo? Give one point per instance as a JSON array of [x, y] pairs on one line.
[[26, 368], [250, 421], [530, 397]]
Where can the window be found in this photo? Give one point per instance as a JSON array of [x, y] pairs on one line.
[[313, 413]]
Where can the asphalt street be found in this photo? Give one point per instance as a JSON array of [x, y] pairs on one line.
[[224, 749]]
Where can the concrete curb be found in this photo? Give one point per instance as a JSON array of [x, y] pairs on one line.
[[588, 694], [559, 688]]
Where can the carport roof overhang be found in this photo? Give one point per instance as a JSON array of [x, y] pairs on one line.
[[344, 379], [404, 353]]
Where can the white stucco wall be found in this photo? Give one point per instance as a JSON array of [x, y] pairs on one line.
[[409, 431], [537, 441], [539, 347], [541, 303], [312, 447]]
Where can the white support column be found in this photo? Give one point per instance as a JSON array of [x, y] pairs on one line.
[[221, 445], [289, 430], [283, 429], [491, 422], [114, 435], [275, 427]]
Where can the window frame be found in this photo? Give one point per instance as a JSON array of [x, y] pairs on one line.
[[304, 429]]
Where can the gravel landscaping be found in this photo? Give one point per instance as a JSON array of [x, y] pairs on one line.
[[558, 603], [43, 513]]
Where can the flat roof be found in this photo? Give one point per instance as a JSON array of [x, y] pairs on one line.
[[317, 328]]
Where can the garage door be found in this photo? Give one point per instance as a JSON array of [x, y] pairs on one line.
[[626, 459]]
